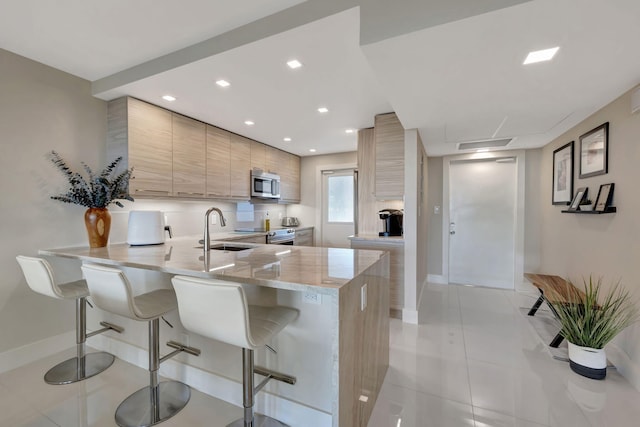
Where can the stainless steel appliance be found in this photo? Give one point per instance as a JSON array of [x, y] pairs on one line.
[[265, 185], [290, 221], [392, 219]]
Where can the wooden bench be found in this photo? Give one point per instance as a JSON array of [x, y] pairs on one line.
[[553, 289]]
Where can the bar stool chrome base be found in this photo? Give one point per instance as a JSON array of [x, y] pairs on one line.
[[145, 408], [259, 420], [75, 369]]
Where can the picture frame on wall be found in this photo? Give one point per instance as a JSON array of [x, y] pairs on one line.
[[581, 193], [562, 175], [594, 151], [605, 196]]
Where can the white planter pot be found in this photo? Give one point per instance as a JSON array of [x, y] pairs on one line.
[[588, 362]]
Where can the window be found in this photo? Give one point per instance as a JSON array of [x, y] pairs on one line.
[[340, 198]]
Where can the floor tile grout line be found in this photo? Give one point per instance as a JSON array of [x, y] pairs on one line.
[[466, 355]]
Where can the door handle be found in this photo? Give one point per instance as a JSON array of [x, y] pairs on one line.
[[452, 228]]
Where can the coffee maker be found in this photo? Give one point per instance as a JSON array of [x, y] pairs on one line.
[[392, 221]]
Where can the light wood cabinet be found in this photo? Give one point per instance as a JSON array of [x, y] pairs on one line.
[[389, 143], [304, 237], [259, 156], [189, 157], [240, 185], [142, 134], [218, 162], [396, 268]]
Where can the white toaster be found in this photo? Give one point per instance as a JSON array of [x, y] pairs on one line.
[[146, 228]]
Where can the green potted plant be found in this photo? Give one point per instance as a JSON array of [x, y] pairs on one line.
[[592, 318], [96, 192]]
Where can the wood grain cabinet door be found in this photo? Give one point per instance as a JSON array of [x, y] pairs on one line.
[[389, 142], [240, 185], [218, 162], [189, 159], [150, 149], [258, 156]]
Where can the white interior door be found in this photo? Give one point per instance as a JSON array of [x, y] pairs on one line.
[[482, 214], [338, 192]]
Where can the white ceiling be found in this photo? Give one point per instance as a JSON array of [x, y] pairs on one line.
[[452, 70]]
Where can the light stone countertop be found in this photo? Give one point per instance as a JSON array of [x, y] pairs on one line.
[[379, 239], [239, 235], [317, 269]]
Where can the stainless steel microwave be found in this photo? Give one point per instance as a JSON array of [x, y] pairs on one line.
[[265, 185]]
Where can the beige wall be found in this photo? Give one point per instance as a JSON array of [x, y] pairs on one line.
[[41, 109], [309, 180], [606, 245], [434, 241]]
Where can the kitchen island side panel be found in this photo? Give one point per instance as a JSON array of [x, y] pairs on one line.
[[363, 342]]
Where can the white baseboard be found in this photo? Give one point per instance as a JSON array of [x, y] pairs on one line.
[[216, 386], [625, 366], [29, 353], [437, 279]]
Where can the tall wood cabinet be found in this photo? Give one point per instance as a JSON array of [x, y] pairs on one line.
[[240, 176], [389, 143], [218, 162]]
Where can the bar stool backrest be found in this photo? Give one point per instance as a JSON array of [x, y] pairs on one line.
[[110, 290], [39, 276], [214, 309]]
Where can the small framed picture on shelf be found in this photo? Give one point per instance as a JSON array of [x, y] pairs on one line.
[[562, 175], [594, 151], [605, 196], [581, 194]]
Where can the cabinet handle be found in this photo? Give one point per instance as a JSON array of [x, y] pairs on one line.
[[217, 195], [190, 194], [139, 190]]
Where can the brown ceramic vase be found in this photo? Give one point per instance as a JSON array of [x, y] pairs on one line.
[[98, 223]]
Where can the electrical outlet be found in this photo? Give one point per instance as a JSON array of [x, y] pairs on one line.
[[363, 297], [436, 210], [312, 298], [214, 219]]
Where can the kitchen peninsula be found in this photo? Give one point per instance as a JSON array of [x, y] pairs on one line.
[[339, 346]]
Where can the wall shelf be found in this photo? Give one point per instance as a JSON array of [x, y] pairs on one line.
[[610, 209]]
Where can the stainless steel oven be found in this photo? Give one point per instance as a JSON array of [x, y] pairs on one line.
[[284, 236]]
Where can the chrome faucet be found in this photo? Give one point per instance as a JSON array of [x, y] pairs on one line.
[[207, 238]]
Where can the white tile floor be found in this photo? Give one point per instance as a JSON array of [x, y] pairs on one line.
[[476, 362]]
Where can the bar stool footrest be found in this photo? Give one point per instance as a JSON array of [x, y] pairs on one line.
[[145, 408], [73, 370], [259, 420], [278, 376]]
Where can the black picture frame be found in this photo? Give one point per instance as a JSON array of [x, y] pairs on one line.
[[594, 152], [562, 182], [581, 194], [605, 196]]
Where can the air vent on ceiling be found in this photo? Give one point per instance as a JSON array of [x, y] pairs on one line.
[[488, 143]]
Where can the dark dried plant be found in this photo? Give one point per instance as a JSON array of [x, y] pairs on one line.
[[95, 191]]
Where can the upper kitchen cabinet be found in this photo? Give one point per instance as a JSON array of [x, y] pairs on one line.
[[218, 162], [142, 134], [287, 166], [189, 157], [389, 145], [240, 185], [259, 156]]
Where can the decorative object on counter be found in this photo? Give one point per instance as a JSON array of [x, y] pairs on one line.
[[594, 151], [581, 194], [589, 320], [147, 228], [605, 196], [562, 175], [267, 222], [96, 193]]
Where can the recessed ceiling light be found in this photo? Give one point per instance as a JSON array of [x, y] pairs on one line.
[[287, 139], [323, 110], [348, 131], [294, 63], [482, 150], [169, 98], [313, 150], [540, 55], [223, 83], [249, 123]]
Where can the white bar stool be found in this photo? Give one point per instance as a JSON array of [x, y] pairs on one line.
[[39, 276], [111, 291], [218, 310]]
